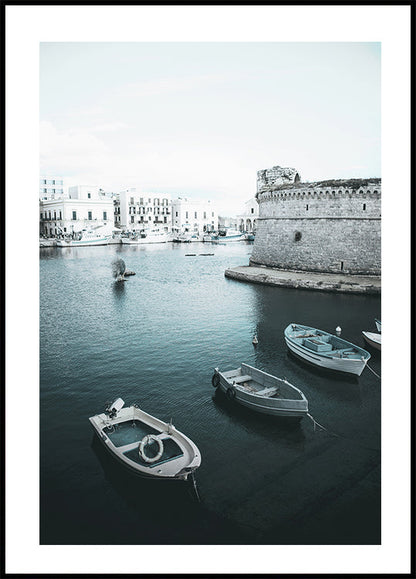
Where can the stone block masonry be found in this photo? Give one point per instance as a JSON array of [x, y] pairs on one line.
[[330, 226]]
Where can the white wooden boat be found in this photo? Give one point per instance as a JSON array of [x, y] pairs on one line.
[[150, 236], [47, 242], [231, 235], [378, 325], [187, 237], [325, 350], [261, 392], [86, 237], [145, 444], [373, 339]]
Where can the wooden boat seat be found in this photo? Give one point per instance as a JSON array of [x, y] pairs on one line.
[[268, 391], [241, 379]]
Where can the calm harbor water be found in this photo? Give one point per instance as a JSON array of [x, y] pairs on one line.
[[155, 340]]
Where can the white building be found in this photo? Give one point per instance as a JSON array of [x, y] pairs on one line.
[[136, 211], [193, 216], [247, 220], [84, 207], [51, 187]]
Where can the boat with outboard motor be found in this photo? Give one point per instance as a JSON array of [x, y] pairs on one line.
[[325, 350], [261, 392], [145, 444]]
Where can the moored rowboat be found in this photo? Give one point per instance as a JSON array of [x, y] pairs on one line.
[[373, 339], [145, 444], [325, 350], [261, 392]]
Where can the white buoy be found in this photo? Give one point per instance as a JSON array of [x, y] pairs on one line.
[[255, 340], [338, 330]]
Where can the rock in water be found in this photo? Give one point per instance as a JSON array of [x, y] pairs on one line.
[[119, 267]]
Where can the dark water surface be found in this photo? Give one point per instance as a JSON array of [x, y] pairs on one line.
[[155, 340]]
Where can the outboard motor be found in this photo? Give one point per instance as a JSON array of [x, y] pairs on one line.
[[115, 407]]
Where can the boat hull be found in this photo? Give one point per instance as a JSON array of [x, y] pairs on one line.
[[295, 407], [47, 242], [122, 434], [373, 340], [142, 241], [81, 243], [337, 360]]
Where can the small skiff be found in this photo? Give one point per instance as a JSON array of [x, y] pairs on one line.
[[373, 339], [145, 444], [261, 392], [325, 350]]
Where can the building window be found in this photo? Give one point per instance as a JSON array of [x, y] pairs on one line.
[[298, 236], [89, 215], [74, 215], [60, 214], [132, 219], [176, 213], [252, 209], [196, 215], [186, 215], [364, 206], [342, 265], [307, 207], [105, 215], [205, 214], [131, 200], [89, 195]]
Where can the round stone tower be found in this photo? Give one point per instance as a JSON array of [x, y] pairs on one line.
[[327, 226]]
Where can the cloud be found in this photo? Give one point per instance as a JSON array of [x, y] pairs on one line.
[[208, 169], [109, 127], [167, 85]]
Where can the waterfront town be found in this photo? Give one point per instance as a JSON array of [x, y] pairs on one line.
[[289, 219], [67, 211]]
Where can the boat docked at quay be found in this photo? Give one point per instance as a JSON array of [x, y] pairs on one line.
[[47, 242], [325, 350], [230, 235], [84, 238], [144, 444], [261, 392], [147, 236], [187, 238]]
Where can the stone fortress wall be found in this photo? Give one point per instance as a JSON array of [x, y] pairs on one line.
[[328, 226]]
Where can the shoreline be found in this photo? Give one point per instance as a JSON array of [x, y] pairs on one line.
[[318, 281]]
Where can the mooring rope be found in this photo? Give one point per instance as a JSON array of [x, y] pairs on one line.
[[375, 373], [315, 424], [193, 480]]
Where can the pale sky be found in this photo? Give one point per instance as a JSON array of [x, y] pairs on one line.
[[200, 119]]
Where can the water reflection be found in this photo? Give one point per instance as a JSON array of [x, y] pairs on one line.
[[263, 425], [119, 288]]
